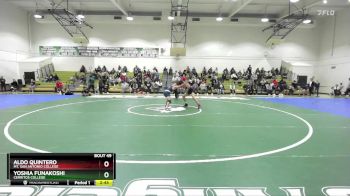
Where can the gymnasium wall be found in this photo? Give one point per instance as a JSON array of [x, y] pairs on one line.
[[13, 38], [334, 63], [216, 45]]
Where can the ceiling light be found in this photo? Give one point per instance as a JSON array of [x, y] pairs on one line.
[[171, 17], [129, 18], [325, 1], [307, 21], [38, 16], [264, 20], [80, 16], [294, 1], [219, 19]]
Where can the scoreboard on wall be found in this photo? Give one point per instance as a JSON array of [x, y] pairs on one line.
[[80, 169]]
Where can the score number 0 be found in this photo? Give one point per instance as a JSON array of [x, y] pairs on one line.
[[106, 164]]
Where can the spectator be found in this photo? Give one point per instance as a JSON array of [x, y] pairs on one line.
[[210, 71], [341, 87], [295, 84], [82, 69], [225, 74], [85, 92], [50, 78], [2, 84], [221, 89], [290, 90], [187, 70], [250, 87], [55, 77], [232, 71], [268, 87], [165, 71], [337, 90], [98, 69], [277, 72], [282, 85], [112, 71], [125, 69], [347, 91], [234, 76], [311, 87], [269, 75], [194, 72], [125, 87], [233, 88], [148, 86], [14, 86], [275, 87], [101, 86], [183, 77], [305, 89], [249, 71], [157, 86], [104, 69], [123, 77], [59, 87], [317, 87], [204, 70], [90, 83], [203, 87], [134, 86], [32, 86]]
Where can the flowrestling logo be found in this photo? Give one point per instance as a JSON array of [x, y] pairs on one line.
[[161, 187], [325, 12]]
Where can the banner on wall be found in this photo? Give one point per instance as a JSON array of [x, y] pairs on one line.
[[82, 51]]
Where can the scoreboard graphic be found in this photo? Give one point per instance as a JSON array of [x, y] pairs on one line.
[[80, 169]]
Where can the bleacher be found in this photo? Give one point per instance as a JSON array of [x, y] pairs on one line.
[[41, 86], [65, 77]]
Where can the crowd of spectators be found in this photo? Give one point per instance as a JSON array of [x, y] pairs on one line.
[[51, 78], [208, 81], [338, 89], [100, 80], [13, 86]]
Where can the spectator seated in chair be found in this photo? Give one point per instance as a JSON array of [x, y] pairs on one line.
[[85, 92], [157, 85], [14, 86], [233, 88], [125, 87], [268, 87], [203, 87], [59, 87], [347, 91], [337, 90]]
